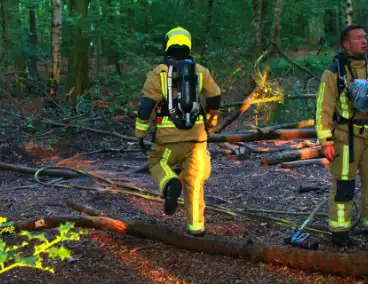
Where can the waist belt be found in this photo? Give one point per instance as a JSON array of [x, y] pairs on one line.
[[362, 123], [357, 122]]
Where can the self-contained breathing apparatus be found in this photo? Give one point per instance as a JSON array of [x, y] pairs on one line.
[[357, 93], [185, 109]]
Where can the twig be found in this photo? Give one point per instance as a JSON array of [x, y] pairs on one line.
[[144, 247], [293, 63], [84, 209]]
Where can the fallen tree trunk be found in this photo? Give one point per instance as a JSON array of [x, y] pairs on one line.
[[298, 124], [293, 155], [321, 261], [299, 97], [302, 163], [264, 135], [303, 188], [31, 171]]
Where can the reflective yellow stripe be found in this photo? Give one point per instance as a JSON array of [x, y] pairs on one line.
[[141, 126], [324, 134], [168, 172], [345, 163], [321, 133], [341, 223], [335, 224], [164, 84], [200, 76], [166, 123], [344, 106], [196, 192], [360, 126], [163, 76]]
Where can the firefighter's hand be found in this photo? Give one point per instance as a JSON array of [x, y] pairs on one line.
[[329, 152]]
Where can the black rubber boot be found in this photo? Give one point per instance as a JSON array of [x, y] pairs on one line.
[[172, 192], [341, 239]]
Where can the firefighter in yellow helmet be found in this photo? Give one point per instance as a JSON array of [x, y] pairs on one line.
[[185, 101], [342, 130]]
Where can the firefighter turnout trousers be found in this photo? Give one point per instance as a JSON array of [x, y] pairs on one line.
[[195, 162], [344, 175]]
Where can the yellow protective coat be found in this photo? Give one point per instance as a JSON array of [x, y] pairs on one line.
[[331, 133], [176, 146]]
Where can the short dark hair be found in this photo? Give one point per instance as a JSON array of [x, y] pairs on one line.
[[344, 36]]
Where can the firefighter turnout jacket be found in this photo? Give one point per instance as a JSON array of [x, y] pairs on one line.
[[153, 103], [332, 124]]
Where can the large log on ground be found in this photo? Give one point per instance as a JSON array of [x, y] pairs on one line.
[[264, 135], [302, 163], [321, 261], [286, 156]]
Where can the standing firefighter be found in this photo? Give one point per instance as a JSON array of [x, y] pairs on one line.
[[174, 91], [342, 129]]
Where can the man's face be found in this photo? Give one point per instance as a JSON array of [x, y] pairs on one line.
[[357, 43]]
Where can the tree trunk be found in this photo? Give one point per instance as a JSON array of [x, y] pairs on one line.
[[33, 57], [78, 59], [293, 155], [308, 260], [348, 12], [111, 42], [4, 23], [257, 7], [264, 135], [302, 163], [207, 28], [56, 23]]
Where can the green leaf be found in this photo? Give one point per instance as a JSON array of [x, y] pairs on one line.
[[31, 236], [29, 260], [2, 245], [61, 253], [65, 228], [3, 257]]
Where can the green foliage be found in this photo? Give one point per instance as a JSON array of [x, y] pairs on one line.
[[125, 41], [297, 110], [13, 257]]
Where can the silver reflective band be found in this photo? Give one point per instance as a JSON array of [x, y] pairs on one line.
[[179, 33]]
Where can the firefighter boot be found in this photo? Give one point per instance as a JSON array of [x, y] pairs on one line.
[[341, 239], [172, 192]]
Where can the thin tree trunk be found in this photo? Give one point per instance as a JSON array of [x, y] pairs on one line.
[[33, 43], [206, 32], [54, 79], [4, 23], [257, 6], [348, 12], [78, 64]]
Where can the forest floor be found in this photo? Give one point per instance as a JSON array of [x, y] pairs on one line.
[[236, 182]]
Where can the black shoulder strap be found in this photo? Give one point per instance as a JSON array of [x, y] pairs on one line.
[[341, 74]]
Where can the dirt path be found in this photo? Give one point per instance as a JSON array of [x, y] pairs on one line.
[[107, 258]]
